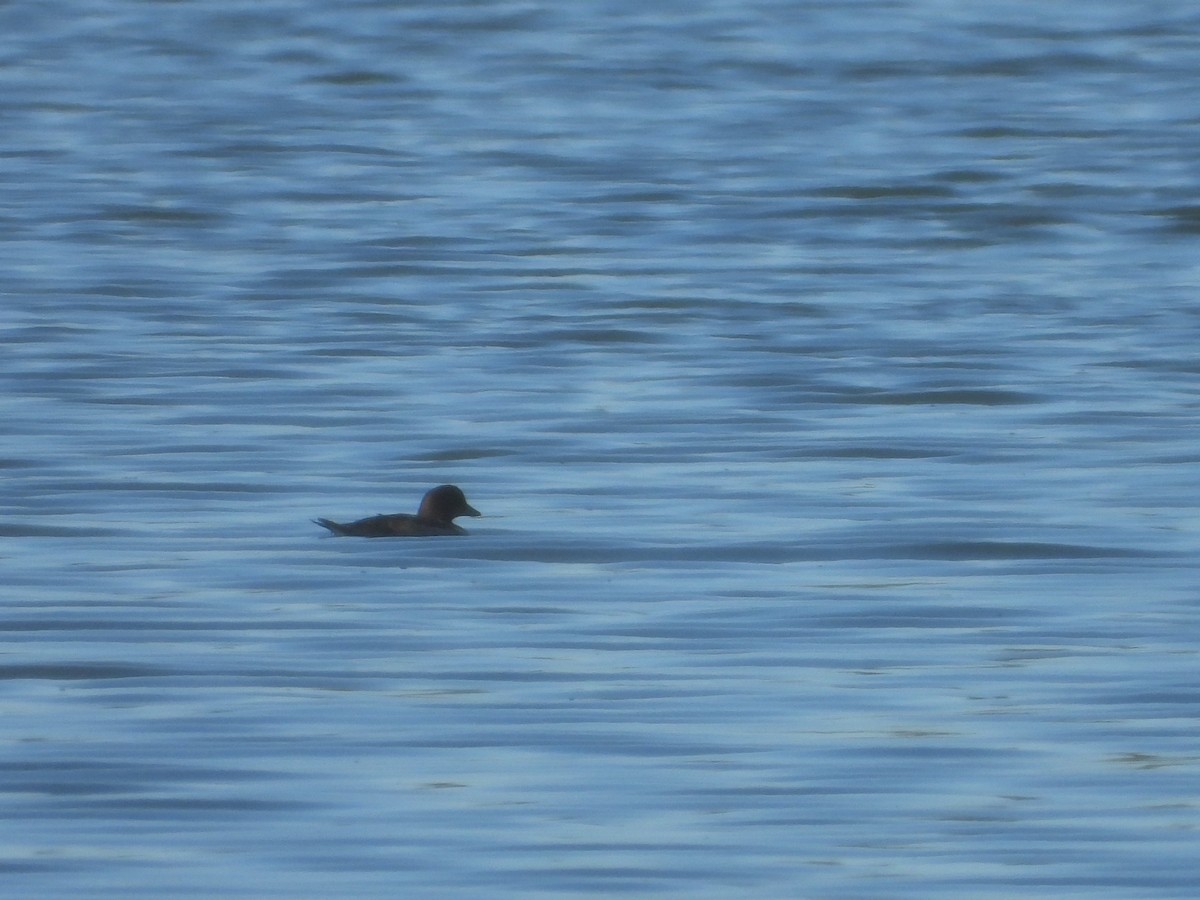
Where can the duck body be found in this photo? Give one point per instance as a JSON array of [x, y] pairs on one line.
[[435, 518]]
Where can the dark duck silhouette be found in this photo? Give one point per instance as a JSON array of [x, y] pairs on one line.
[[439, 508]]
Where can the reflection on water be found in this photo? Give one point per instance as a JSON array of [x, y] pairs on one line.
[[826, 377]]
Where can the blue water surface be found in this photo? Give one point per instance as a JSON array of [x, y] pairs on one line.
[[826, 374]]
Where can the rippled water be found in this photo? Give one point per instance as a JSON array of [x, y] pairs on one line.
[[826, 374]]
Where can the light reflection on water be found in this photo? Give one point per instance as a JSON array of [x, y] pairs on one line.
[[829, 412]]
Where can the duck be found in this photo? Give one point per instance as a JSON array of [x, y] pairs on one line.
[[435, 518]]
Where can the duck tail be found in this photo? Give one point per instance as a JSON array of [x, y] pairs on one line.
[[334, 527]]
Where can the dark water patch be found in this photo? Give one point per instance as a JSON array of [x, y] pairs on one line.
[[1169, 698], [1043, 65], [1013, 550], [446, 246], [351, 349], [135, 808], [804, 548], [361, 272], [165, 623], [1068, 190], [39, 335], [160, 215], [875, 453], [557, 286], [55, 866], [889, 71], [640, 197], [594, 336], [1180, 219], [958, 243], [18, 529], [959, 397], [213, 488], [597, 742], [356, 77], [1018, 655], [1150, 762], [886, 192], [67, 775], [902, 748], [17, 463], [182, 448], [1002, 220], [462, 454], [1001, 132], [135, 690], [1176, 365], [526, 677], [923, 615], [972, 176], [385, 318], [640, 554], [78, 672]]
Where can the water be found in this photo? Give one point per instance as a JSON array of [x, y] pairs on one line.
[[826, 374]]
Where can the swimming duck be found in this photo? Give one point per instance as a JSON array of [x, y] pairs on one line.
[[439, 508]]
